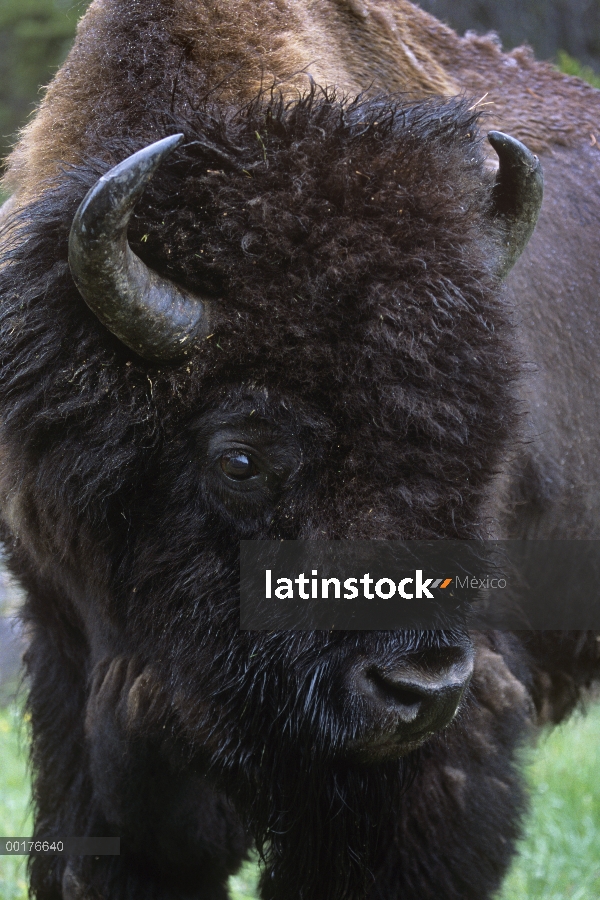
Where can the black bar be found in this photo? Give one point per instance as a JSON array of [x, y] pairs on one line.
[[67, 846]]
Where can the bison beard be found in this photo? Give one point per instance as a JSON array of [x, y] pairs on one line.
[[327, 826], [321, 818]]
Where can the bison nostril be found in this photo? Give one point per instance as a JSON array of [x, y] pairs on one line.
[[406, 698], [420, 695]]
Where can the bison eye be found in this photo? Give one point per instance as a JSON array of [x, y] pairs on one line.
[[238, 465]]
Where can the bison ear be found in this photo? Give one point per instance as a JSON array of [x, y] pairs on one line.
[[516, 196], [146, 312]]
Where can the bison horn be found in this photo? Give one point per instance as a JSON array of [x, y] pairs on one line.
[[148, 313], [516, 197]]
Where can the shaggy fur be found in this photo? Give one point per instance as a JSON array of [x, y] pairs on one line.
[[364, 285], [361, 334], [363, 345]]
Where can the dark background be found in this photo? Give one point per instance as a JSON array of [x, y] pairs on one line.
[[548, 25]]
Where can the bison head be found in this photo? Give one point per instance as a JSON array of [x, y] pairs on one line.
[[305, 337]]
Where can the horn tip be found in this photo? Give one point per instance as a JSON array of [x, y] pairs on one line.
[[496, 137], [505, 143], [159, 150], [172, 141]]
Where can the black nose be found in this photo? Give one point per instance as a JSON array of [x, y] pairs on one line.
[[416, 697]]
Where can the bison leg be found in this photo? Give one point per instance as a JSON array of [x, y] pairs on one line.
[[100, 770], [460, 819], [179, 837]]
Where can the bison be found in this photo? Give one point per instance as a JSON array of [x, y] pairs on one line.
[[259, 280]]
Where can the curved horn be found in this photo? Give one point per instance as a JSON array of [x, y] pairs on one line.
[[517, 195], [148, 313]]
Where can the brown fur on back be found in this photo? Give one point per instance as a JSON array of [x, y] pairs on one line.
[[133, 62]]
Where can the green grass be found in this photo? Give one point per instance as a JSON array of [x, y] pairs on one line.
[[243, 885], [15, 820], [559, 856], [571, 66]]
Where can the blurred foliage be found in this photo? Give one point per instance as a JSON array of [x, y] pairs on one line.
[[571, 66], [35, 37]]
